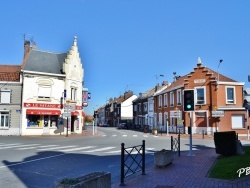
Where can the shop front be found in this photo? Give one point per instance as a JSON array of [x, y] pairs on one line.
[[40, 120]]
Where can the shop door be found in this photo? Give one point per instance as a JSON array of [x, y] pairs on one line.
[[46, 125]]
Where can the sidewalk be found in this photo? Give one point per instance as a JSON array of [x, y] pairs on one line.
[[185, 171]]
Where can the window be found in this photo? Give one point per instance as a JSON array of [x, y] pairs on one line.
[[151, 106], [34, 121], [5, 96], [179, 99], [166, 100], [44, 92], [73, 95], [135, 108], [160, 119], [172, 99], [237, 121], [53, 121], [145, 109], [230, 95], [44, 89], [139, 107], [200, 95], [159, 101], [4, 123]]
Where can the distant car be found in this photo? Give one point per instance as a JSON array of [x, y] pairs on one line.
[[122, 126], [105, 125]]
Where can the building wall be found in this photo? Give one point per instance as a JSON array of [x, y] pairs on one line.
[[127, 108], [30, 92], [14, 108]]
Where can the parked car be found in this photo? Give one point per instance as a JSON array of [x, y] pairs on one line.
[[105, 125], [122, 126]]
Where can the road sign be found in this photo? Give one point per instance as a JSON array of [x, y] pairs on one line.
[[217, 113], [175, 114], [70, 107], [66, 114]]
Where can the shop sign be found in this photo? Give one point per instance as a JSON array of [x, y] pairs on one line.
[[66, 114], [175, 114], [41, 105], [217, 113]]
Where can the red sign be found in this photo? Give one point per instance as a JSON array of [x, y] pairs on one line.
[[45, 105], [41, 105], [84, 104]]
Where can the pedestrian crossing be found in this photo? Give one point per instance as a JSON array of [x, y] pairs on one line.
[[67, 149], [125, 135]]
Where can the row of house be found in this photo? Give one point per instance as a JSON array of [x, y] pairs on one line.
[[220, 105], [42, 95]]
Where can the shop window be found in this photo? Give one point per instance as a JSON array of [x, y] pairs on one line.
[[34, 121], [5, 96], [4, 123], [53, 121]]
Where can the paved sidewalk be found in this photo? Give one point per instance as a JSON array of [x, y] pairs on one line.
[[185, 172]]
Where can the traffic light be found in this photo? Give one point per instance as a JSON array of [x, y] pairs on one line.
[[189, 100]]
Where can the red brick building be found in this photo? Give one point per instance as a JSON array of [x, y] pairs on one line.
[[218, 103]]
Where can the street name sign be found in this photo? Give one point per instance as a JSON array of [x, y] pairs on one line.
[[217, 113], [175, 114]]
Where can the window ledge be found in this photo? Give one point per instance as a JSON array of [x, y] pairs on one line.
[[42, 99]]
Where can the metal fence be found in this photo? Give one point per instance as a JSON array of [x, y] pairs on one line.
[[175, 145], [132, 160]]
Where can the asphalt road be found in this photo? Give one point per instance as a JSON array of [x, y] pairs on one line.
[[41, 161]]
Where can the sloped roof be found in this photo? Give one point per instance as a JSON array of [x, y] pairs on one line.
[[124, 97], [150, 92], [10, 73], [42, 61]]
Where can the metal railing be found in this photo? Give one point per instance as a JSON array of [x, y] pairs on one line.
[[132, 160], [175, 144]]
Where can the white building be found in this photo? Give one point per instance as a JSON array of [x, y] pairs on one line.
[[52, 84]]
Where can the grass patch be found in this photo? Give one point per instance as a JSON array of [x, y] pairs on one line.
[[227, 167]]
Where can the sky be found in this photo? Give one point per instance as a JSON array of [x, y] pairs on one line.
[[127, 44]]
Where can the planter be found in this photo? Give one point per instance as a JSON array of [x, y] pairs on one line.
[[93, 180], [163, 158]]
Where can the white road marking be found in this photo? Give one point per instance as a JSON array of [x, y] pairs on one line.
[[15, 146], [56, 148], [100, 149], [124, 135], [75, 149], [114, 135]]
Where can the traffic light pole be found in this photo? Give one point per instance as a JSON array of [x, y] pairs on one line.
[[190, 137]]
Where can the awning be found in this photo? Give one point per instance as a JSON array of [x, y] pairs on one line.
[[83, 114], [75, 113], [43, 112]]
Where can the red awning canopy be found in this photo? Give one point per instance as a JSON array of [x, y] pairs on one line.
[[83, 114], [43, 112], [75, 113]]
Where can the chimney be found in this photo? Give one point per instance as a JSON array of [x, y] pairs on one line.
[[26, 47]]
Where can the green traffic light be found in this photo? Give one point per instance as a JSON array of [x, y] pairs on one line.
[[188, 106]]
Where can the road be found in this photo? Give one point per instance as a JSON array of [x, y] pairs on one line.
[[41, 161]]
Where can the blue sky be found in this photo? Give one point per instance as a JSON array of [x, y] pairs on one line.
[[124, 44]]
